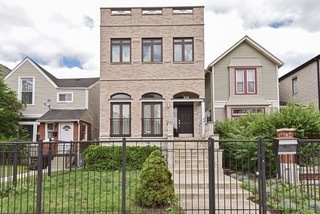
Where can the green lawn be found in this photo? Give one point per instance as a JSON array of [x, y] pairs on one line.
[[79, 190]]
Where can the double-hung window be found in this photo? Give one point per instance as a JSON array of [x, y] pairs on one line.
[[50, 130], [151, 50], [120, 115], [151, 114], [245, 81], [27, 90], [183, 49], [120, 50]]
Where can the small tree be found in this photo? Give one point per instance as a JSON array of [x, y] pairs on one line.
[[10, 112], [155, 185]]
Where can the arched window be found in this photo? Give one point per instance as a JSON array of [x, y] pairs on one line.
[[152, 120], [120, 122], [152, 96]]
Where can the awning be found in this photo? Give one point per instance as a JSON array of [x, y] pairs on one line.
[[247, 100], [54, 115]]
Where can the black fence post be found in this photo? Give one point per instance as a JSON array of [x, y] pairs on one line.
[[124, 163], [39, 178], [49, 158], [15, 164], [262, 177], [211, 177]]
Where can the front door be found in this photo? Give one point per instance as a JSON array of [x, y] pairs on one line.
[[66, 134], [185, 120]]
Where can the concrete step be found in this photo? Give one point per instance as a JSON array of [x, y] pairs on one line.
[[224, 194], [206, 186], [232, 204], [190, 145]]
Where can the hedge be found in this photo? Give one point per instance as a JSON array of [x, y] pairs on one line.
[[98, 158]]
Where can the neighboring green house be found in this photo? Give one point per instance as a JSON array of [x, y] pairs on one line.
[[242, 79]]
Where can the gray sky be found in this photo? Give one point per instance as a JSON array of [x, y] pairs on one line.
[[63, 36]]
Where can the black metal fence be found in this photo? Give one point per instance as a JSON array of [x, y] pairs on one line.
[[209, 176]]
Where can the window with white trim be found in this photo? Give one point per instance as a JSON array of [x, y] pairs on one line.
[[27, 90], [237, 112], [294, 85], [50, 130], [65, 97], [245, 81]]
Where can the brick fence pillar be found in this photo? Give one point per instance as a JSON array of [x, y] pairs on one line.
[[289, 170]]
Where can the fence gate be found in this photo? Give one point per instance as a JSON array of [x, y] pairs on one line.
[[236, 183]]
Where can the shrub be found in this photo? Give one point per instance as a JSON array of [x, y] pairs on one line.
[[110, 157], [306, 121], [155, 185]]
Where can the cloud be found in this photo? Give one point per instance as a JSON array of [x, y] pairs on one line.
[[13, 17], [88, 21], [256, 14]]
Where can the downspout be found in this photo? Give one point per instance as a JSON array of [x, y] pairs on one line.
[[318, 76]]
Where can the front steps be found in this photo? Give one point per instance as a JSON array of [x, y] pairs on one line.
[[191, 181]]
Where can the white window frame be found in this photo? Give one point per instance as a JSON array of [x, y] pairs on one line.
[[51, 131], [294, 83], [33, 88], [67, 101]]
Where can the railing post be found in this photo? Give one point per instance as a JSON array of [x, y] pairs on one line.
[[15, 164], [49, 158], [211, 177], [39, 179], [124, 163], [262, 177]]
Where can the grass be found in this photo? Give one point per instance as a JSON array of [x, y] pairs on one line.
[[75, 191], [7, 170]]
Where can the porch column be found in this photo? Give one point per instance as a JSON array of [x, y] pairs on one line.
[[203, 119]]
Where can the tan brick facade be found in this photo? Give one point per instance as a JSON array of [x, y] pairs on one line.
[[167, 78], [307, 86]]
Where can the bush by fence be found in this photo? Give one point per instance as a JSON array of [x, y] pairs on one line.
[[110, 157]]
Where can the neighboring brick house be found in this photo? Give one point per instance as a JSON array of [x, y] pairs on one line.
[[243, 79], [62, 109], [302, 84], [152, 72]]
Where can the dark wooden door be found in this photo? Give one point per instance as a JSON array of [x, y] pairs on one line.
[[185, 119]]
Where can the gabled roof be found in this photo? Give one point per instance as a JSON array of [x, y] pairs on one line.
[[79, 82], [54, 115], [314, 59], [4, 70], [254, 45]]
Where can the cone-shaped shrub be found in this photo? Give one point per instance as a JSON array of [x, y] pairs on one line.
[[155, 185]]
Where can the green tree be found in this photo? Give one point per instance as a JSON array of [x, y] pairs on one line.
[[10, 112]]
